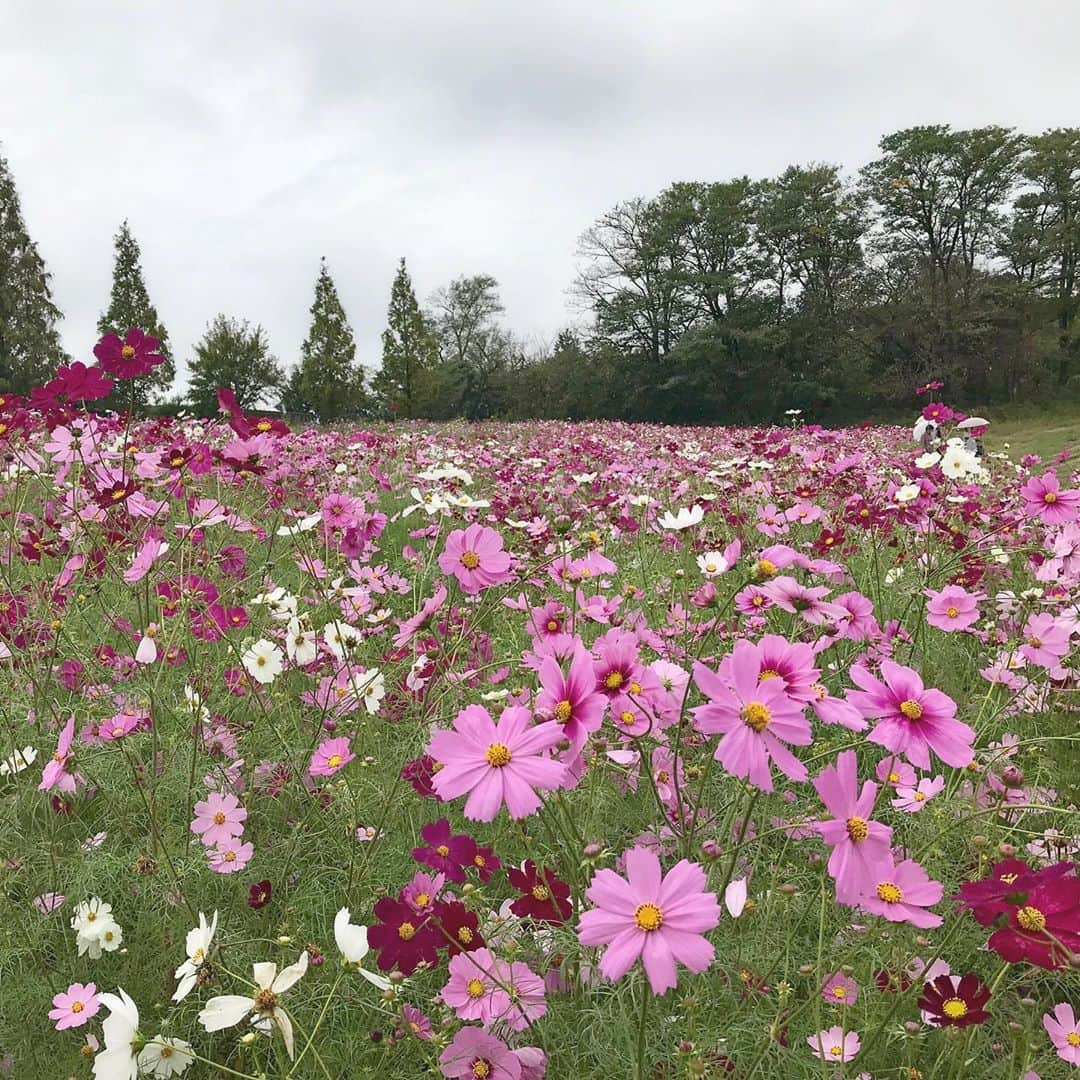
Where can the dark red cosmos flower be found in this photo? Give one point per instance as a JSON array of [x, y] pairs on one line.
[[829, 540], [1005, 888], [458, 928], [955, 1004], [136, 355], [544, 897], [1045, 929], [403, 939], [259, 895], [115, 494], [892, 980], [486, 862], [450, 854]]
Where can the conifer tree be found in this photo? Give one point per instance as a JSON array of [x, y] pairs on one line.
[[234, 355], [330, 382], [130, 306], [30, 348], [404, 382]]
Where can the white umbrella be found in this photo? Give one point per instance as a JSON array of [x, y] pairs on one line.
[[973, 422]]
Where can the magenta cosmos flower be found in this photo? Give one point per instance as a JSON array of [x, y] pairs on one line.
[[1044, 499], [953, 608], [1064, 1031], [475, 1054], [571, 698], [136, 355], [496, 763], [861, 848], [218, 818], [476, 558], [661, 920], [912, 720], [754, 718], [902, 893], [74, 1006], [331, 757]]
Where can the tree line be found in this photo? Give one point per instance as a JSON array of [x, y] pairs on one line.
[[954, 254]]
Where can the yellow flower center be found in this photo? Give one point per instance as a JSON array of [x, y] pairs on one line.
[[481, 1070], [464, 935], [955, 1008], [626, 718], [219, 818], [563, 711], [470, 560], [839, 992], [1008, 878], [422, 899], [765, 568], [1031, 918], [498, 755], [1073, 1038], [474, 988], [756, 716], [952, 612], [836, 1051], [406, 931], [768, 673], [889, 893], [1050, 497], [648, 917], [334, 760], [265, 1001], [857, 829], [540, 893], [911, 709], [920, 796], [552, 625], [442, 850], [127, 352], [613, 680], [230, 856], [77, 1007]]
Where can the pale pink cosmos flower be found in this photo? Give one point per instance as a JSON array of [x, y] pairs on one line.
[[75, 1006], [840, 989], [901, 893], [476, 558], [894, 772], [55, 774], [953, 608], [833, 1045], [230, 856], [755, 719], [912, 720], [860, 847], [1046, 641], [218, 818], [496, 763], [912, 799], [474, 1053], [48, 902], [1064, 1030], [1044, 499], [473, 990], [661, 919], [331, 757]]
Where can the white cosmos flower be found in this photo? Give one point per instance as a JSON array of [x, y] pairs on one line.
[[118, 1060], [96, 931], [17, 761], [957, 462], [146, 653], [712, 563], [164, 1057], [353, 943], [305, 524], [639, 500], [300, 644], [282, 604], [264, 1007], [683, 519], [197, 947], [908, 493], [263, 661], [340, 637], [927, 461]]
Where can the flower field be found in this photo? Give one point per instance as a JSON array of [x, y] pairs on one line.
[[511, 751]]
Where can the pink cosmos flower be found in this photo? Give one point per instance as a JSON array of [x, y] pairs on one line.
[[74, 1006], [861, 848], [953, 608], [840, 989], [912, 799], [659, 919], [911, 719], [895, 773], [230, 856], [1044, 499], [833, 1045], [1064, 1030], [496, 763], [48, 902], [808, 603], [527, 999], [476, 558], [1046, 641], [473, 990], [55, 774], [474, 1053], [571, 699], [902, 893], [218, 818], [331, 757], [755, 719]]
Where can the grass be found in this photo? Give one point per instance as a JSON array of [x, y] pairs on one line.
[[1045, 431]]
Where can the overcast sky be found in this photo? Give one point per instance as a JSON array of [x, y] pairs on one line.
[[245, 140]]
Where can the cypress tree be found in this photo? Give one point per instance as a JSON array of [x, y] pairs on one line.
[[403, 383], [30, 348], [130, 306], [330, 382]]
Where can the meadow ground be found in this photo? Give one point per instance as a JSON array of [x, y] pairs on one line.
[[639, 752]]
